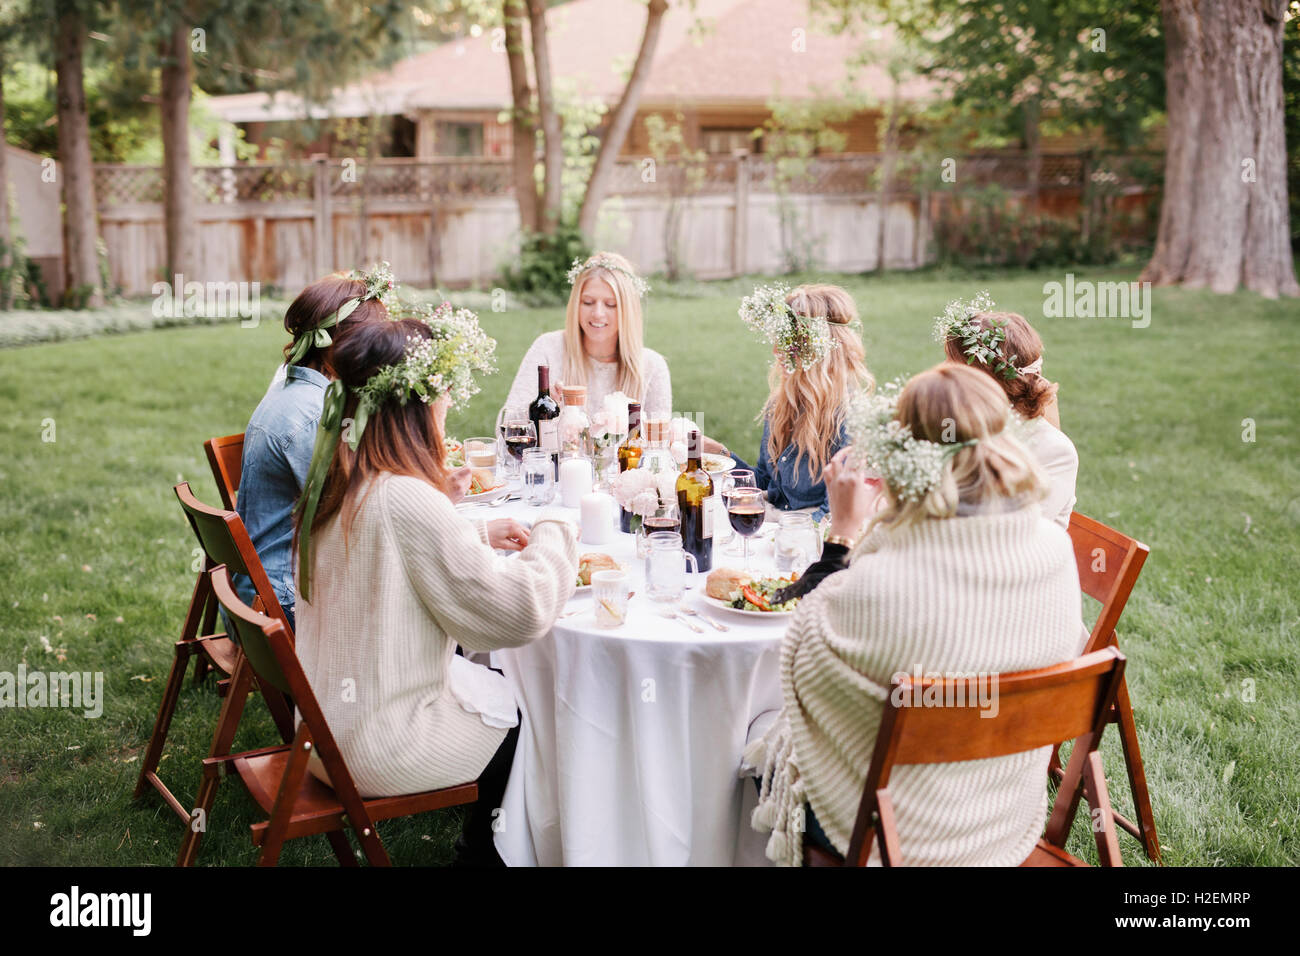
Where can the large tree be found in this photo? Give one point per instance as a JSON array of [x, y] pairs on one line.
[[1224, 220], [79, 228]]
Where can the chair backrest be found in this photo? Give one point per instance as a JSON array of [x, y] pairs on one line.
[[226, 457], [268, 646], [1109, 564], [938, 720], [225, 541]]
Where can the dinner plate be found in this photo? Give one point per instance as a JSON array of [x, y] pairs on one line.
[[717, 459], [485, 496], [764, 615]]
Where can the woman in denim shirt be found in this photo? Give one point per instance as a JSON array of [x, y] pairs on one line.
[[803, 418], [281, 435]]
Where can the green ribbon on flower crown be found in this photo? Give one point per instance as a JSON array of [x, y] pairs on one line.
[[327, 440], [318, 336]]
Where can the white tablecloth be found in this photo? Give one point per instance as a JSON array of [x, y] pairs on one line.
[[632, 736]]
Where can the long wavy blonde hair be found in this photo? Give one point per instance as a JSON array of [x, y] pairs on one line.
[[806, 407], [631, 339], [953, 403]]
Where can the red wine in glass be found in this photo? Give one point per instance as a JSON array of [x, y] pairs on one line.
[[672, 523], [516, 445], [746, 509]]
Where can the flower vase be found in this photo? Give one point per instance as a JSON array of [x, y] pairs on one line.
[[629, 522]]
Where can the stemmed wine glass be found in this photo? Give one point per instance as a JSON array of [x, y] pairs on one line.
[[746, 509], [736, 478], [520, 434]]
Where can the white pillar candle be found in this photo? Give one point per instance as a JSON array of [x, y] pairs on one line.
[[597, 518], [575, 481]]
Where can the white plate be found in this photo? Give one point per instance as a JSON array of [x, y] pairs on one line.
[[731, 463], [485, 496], [764, 615]]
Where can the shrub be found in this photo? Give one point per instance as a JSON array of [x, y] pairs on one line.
[[539, 273]]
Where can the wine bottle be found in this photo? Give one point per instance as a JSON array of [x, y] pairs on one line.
[[629, 453], [544, 412], [694, 504]]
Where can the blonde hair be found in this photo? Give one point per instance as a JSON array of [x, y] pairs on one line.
[[806, 407], [631, 338], [951, 404]]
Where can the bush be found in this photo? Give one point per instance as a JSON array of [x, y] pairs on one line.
[[539, 275]]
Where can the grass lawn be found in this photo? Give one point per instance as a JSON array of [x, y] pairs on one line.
[[96, 556]]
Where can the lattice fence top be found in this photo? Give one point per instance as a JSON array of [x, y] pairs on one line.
[[434, 180]]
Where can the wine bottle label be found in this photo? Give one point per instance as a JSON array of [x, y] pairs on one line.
[[548, 435], [707, 508]]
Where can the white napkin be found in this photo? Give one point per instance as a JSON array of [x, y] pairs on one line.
[[483, 692]]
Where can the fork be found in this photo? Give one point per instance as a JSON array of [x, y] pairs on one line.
[[672, 614], [691, 612]]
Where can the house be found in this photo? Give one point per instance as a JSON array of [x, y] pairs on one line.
[[719, 66]]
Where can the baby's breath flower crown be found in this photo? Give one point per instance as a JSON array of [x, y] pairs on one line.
[[983, 345], [802, 340], [600, 261], [911, 466]]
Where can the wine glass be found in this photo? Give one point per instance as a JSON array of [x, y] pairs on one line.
[[519, 435], [746, 509], [736, 478]]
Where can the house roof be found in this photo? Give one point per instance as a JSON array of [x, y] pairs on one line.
[[718, 52]]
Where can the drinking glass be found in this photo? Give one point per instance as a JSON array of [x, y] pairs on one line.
[[798, 543], [665, 566], [539, 477], [666, 517], [736, 478], [518, 435], [610, 594], [746, 509], [481, 455]]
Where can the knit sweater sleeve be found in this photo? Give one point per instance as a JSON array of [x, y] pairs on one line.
[[481, 600]]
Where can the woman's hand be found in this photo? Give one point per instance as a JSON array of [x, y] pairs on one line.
[[458, 483], [711, 447], [853, 496], [507, 534]]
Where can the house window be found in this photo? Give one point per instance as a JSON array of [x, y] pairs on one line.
[[724, 142], [458, 139]]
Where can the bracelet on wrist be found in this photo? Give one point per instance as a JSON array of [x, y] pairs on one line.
[[843, 542]]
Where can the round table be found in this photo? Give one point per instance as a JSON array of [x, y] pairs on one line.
[[632, 736]]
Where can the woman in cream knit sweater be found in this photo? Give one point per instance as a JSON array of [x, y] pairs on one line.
[[392, 578], [959, 573]]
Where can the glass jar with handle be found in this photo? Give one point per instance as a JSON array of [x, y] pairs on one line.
[[798, 543], [665, 566]]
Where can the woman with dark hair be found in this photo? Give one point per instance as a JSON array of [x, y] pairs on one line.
[[280, 436], [1005, 346], [391, 577]]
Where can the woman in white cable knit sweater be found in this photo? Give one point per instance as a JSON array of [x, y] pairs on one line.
[[398, 578], [958, 573]]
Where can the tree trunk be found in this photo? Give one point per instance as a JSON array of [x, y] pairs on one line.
[[178, 173], [1224, 219], [82, 266], [621, 120], [1033, 152], [552, 132], [6, 231], [887, 176], [523, 124]]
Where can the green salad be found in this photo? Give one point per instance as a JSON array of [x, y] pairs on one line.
[[757, 595]]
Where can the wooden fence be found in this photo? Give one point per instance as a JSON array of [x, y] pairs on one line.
[[454, 223]]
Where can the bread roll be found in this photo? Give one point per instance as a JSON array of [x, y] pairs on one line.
[[594, 561], [723, 583]]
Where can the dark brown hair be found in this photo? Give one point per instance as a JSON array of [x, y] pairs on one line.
[[318, 302], [398, 439], [1029, 394]]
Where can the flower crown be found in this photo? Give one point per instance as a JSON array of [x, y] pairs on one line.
[[380, 284], [602, 261], [983, 345], [803, 340], [911, 466]]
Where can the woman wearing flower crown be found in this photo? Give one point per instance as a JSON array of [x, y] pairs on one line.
[[1006, 347], [601, 345], [818, 365], [391, 577], [960, 572], [280, 436]]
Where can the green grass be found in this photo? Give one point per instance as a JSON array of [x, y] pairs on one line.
[[90, 527]]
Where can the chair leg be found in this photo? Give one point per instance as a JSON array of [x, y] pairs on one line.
[[1137, 777], [208, 627], [1069, 793], [1102, 822], [282, 811], [166, 710], [342, 848]]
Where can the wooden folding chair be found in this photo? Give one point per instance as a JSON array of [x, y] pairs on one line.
[[1035, 708], [297, 802], [224, 541], [226, 458], [1109, 564]]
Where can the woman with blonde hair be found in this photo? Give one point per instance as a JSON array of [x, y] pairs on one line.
[[602, 344], [818, 364], [958, 573], [1006, 347]]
